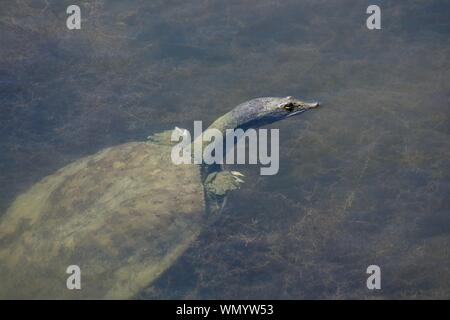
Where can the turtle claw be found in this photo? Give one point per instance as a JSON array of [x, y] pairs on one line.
[[236, 175], [238, 180]]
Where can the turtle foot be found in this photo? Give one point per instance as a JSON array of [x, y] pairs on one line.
[[220, 183]]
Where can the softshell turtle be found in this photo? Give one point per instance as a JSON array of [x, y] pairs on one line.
[[122, 215]]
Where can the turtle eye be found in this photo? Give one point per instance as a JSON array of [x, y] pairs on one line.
[[289, 107]]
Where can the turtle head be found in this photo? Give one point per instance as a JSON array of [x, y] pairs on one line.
[[262, 111]]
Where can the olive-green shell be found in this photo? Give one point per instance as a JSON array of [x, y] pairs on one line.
[[122, 215]]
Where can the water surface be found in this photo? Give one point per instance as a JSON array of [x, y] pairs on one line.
[[364, 180]]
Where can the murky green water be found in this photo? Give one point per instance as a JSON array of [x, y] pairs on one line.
[[364, 180]]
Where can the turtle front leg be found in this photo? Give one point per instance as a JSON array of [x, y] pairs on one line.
[[164, 138], [220, 183]]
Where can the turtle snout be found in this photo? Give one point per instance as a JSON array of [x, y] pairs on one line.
[[312, 105]]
